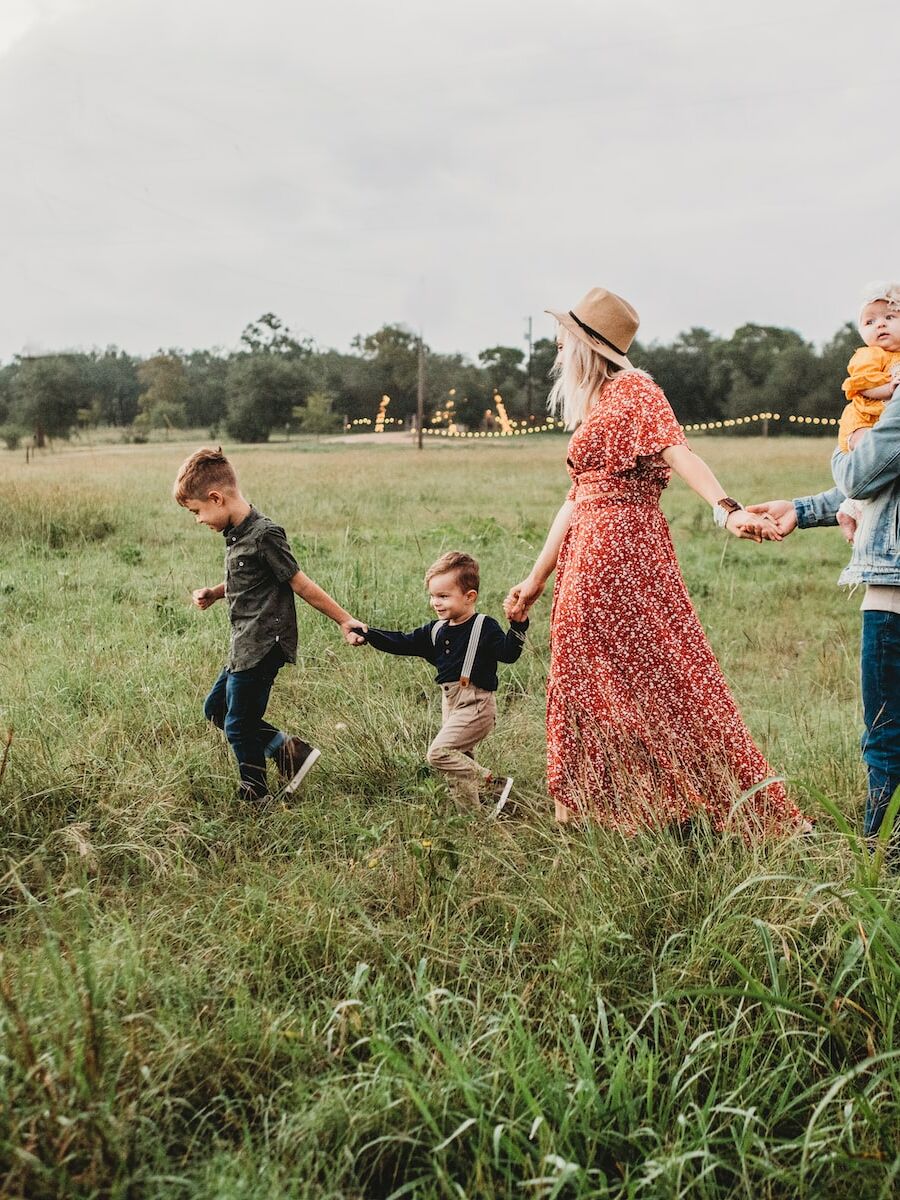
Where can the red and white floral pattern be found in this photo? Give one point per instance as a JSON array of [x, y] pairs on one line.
[[641, 727]]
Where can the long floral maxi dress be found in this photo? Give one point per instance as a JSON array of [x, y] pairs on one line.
[[641, 727]]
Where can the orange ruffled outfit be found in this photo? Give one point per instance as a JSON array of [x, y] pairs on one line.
[[641, 727], [870, 367]]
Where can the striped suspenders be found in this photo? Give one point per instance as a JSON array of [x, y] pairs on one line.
[[471, 649]]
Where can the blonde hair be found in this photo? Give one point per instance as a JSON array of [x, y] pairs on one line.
[[204, 470], [466, 567], [580, 373]]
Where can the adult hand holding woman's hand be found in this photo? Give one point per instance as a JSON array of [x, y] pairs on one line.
[[782, 513], [520, 599], [756, 528]]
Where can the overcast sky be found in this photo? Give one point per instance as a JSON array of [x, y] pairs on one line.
[[171, 169]]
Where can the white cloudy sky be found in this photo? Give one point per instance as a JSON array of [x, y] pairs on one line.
[[173, 168]]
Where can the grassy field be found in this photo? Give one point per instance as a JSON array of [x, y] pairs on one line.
[[363, 993]]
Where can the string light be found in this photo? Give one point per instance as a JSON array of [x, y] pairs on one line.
[[505, 426], [521, 429], [382, 410]]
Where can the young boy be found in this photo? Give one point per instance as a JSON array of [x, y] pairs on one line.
[[261, 577], [465, 648]]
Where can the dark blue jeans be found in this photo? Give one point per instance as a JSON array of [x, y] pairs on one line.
[[880, 663], [237, 704]]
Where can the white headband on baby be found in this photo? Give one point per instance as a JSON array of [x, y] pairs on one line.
[[889, 292]]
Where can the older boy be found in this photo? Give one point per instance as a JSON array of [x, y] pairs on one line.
[[465, 647], [261, 578]]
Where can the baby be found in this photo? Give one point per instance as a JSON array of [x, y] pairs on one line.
[[873, 375]]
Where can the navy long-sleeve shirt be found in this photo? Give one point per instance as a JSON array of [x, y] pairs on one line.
[[449, 653]]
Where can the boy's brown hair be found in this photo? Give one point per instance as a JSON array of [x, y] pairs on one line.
[[207, 469], [466, 567]]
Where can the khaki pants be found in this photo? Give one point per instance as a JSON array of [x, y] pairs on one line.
[[470, 713]]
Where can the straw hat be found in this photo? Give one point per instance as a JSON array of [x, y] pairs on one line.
[[603, 321]]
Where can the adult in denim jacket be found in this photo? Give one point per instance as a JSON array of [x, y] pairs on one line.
[[870, 472]]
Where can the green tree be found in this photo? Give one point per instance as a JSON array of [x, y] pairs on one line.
[[263, 391], [206, 390], [269, 335], [47, 394], [503, 368], [392, 355], [112, 386], [750, 356], [316, 416], [453, 377], [11, 431], [692, 371], [836, 354], [7, 375], [543, 356], [350, 379], [161, 403], [796, 384]]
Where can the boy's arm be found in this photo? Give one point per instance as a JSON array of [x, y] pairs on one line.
[[505, 647], [417, 644], [310, 591], [276, 551], [204, 597]]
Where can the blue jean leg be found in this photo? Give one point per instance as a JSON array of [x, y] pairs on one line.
[[237, 703], [880, 670]]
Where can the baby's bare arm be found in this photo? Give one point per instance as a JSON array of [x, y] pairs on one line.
[[880, 393]]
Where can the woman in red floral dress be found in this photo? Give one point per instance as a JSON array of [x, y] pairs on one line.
[[642, 730]]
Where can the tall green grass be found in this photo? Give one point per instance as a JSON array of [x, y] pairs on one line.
[[365, 993]]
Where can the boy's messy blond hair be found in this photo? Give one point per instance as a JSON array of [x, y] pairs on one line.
[[466, 567], [206, 470]]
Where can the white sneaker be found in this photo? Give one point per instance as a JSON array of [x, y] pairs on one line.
[[500, 788], [294, 759]]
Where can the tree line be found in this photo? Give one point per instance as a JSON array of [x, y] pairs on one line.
[[276, 382]]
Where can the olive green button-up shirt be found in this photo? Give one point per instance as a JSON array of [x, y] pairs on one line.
[[258, 568]]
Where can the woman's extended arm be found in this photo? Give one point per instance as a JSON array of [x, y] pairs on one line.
[[523, 595], [697, 475]]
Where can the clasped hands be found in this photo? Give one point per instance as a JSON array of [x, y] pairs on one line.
[[783, 516], [770, 522]]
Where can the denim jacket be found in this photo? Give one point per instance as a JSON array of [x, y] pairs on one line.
[[871, 472]]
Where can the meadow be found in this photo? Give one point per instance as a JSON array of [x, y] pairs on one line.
[[363, 993]]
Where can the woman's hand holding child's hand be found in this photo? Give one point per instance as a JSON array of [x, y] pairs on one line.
[[520, 599]]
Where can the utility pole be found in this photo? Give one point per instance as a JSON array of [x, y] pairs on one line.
[[420, 394], [528, 376]]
